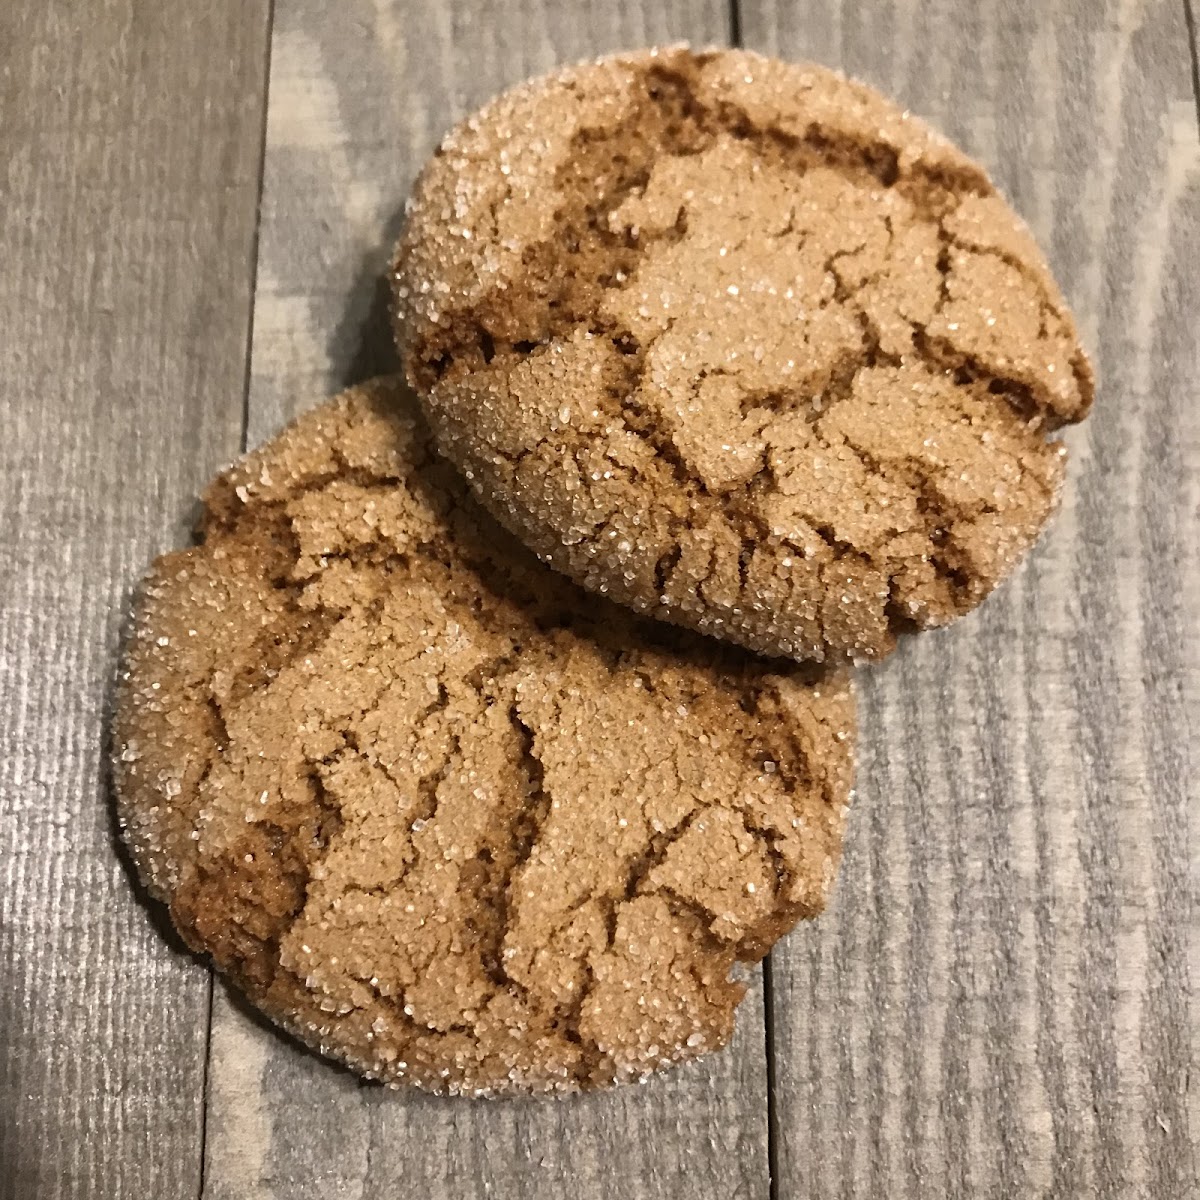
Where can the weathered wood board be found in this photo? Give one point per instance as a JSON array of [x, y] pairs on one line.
[[129, 168], [999, 1004]]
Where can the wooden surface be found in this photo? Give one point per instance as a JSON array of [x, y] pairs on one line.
[[998, 1003], [128, 177]]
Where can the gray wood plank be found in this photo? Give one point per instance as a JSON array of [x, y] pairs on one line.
[[129, 164], [1000, 1004], [358, 98]]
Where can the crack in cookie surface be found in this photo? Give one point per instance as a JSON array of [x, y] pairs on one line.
[[662, 306], [436, 810]]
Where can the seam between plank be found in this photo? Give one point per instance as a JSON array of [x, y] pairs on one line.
[[772, 1110], [253, 286], [262, 169], [204, 1081], [768, 980], [1189, 20]]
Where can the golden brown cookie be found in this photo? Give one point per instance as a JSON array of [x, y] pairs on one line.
[[437, 811], [741, 345]]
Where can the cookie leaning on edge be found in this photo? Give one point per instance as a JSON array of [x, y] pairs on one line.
[[435, 810], [741, 345]]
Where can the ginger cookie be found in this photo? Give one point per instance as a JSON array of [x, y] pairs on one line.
[[437, 811], [740, 345]]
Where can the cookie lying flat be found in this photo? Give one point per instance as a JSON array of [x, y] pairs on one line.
[[437, 811], [740, 345]]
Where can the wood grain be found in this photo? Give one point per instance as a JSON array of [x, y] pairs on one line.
[[999, 1003], [358, 99], [128, 175]]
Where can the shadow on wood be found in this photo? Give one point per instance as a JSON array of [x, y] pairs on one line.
[[362, 345]]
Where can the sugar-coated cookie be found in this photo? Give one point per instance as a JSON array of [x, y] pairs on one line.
[[436, 810], [740, 345]]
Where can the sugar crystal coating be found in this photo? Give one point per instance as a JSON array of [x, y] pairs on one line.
[[740, 345], [436, 810]]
